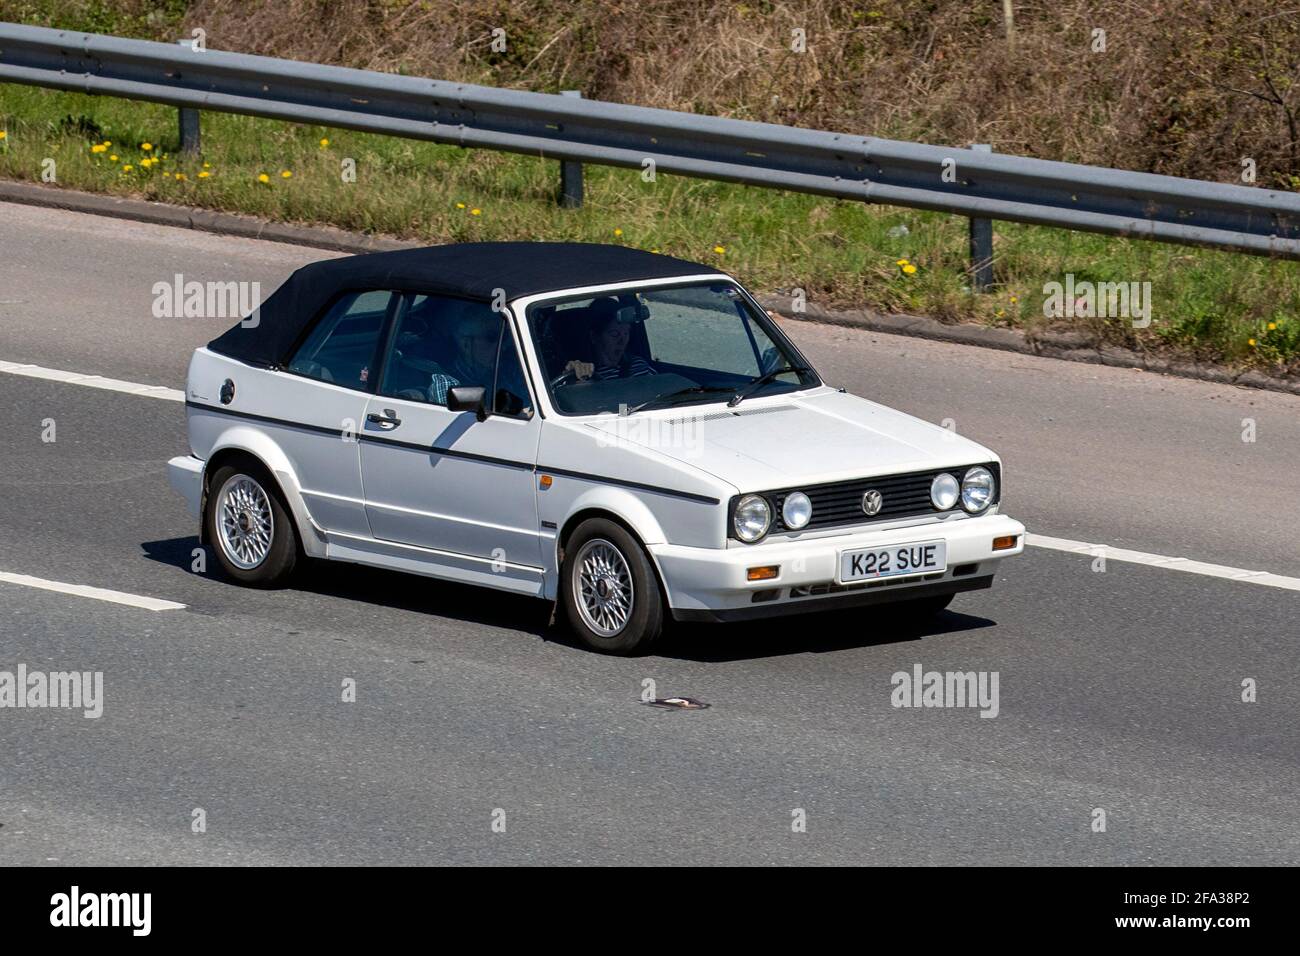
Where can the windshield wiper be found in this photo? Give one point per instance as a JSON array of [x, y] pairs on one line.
[[762, 380], [689, 390]]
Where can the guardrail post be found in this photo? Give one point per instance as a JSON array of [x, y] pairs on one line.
[[981, 244], [570, 174], [189, 123]]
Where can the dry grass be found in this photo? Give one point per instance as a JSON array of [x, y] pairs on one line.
[[1185, 87]]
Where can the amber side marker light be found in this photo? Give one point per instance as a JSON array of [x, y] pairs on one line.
[[765, 573], [1005, 542], [545, 481]]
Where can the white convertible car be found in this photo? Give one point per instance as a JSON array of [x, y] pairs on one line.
[[627, 434]]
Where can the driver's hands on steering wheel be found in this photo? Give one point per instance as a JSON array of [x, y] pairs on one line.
[[580, 370]]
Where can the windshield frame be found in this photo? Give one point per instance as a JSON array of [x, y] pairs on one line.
[[522, 309]]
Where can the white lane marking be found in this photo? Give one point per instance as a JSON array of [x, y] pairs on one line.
[[99, 594], [1161, 561], [94, 381], [1033, 540]]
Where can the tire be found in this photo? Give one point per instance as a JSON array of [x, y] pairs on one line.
[[253, 500], [605, 570], [924, 607]]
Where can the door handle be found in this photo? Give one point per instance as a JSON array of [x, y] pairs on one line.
[[387, 421]]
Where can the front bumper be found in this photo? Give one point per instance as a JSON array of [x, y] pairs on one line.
[[712, 583], [186, 476]]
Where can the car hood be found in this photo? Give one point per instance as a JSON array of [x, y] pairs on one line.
[[785, 440]]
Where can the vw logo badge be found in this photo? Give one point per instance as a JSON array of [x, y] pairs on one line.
[[872, 502]]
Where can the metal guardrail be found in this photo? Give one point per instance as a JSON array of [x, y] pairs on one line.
[[967, 182]]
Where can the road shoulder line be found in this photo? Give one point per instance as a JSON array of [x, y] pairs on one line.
[[1088, 549], [86, 591], [1242, 575], [93, 381]]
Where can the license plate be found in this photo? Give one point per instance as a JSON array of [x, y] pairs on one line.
[[917, 557]]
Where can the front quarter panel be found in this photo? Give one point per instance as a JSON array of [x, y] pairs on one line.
[[661, 499]]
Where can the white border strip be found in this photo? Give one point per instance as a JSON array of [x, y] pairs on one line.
[[1032, 540], [94, 381], [98, 594], [1160, 561]]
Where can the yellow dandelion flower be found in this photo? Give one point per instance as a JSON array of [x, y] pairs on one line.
[[1272, 326], [909, 269], [1014, 299], [98, 148], [999, 313], [460, 205], [618, 232], [3, 134], [263, 178], [476, 212], [285, 174], [113, 157], [204, 175], [1251, 343], [720, 249], [146, 146], [901, 262], [146, 163], [180, 177], [206, 165], [324, 143], [654, 250], [108, 143], [127, 168]]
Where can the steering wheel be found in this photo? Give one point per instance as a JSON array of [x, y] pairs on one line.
[[567, 377]]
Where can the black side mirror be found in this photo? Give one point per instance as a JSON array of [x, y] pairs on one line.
[[468, 398]]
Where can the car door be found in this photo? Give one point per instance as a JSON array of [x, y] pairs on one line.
[[443, 480], [319, 400]]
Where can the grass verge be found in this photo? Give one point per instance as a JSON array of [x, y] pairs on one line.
[[1205, 305]]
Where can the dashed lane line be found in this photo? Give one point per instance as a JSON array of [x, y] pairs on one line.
[[1241, 575], [85, 591]]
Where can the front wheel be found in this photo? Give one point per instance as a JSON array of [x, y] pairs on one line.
[[609, 589], [250, 527]]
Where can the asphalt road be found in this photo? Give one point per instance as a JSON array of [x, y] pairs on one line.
[[1118, 690]]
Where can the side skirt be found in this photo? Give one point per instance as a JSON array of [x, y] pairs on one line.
[[444, 565]]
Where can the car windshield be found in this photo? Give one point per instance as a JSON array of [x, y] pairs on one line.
[[659, 347]]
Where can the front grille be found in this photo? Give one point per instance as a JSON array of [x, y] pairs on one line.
[[905, 496]]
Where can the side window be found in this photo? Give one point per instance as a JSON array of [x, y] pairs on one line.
[[512, 392], [342, 347], [440, 343]]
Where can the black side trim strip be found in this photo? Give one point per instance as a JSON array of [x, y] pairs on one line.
[[446, 452], [686, 495], [361, 436], [319, 429], [452, 453]]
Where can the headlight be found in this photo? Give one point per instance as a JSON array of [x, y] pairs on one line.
[[977, 490], [944, 491], [796, 510], [752, 518]]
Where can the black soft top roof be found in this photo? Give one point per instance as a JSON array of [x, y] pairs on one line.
[[471, 270]]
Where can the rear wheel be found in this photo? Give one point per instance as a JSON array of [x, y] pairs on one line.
[[609, 589], [249, 526]]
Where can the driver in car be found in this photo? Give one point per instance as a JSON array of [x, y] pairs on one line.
[[476, 331], [609, 336]]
